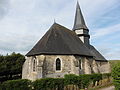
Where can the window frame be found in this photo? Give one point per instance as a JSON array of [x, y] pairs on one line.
[[34, 64], [60, 64]]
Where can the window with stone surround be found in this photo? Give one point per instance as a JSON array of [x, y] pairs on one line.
[[58, 64], [34, 65], [80, 64]]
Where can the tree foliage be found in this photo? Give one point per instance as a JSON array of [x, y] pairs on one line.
[[116, 76], [20, 84], [11, 66]]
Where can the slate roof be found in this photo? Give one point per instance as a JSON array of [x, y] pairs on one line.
[[79, 22], [96, 54], [61, 41]]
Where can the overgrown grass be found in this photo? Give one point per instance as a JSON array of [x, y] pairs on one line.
[[100, 87], [113, 62]]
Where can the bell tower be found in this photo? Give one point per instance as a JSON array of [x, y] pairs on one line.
[[80, 27]]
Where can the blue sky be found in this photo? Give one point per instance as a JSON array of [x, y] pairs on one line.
[[24, 22]]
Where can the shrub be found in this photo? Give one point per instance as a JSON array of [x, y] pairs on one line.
[[106, 75], [59, 83], [96, 77], [116, 76], [71, 79], [0, 86], [43, 84], [84, 80], [21, 84], [48, 83]]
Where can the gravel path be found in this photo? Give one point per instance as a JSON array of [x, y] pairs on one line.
[[108, 88]]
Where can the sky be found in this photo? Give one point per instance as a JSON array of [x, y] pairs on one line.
[[24, 22]]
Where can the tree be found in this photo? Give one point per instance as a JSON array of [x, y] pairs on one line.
[[11, 66]]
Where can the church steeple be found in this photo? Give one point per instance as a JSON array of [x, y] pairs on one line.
[[80, 27], [79, 22]]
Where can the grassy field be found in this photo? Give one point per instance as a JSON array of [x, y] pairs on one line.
[[113, 62]]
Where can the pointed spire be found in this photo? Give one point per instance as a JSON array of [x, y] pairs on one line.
[[79, 22]]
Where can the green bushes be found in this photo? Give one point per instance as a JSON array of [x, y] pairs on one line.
[[0, 86], [106, 75], [71, 79], [116, 76], [43, 84], [59, 83], [11, 66], [96, 77], [81, 81], [48, 83], [85, 80], [21, 84]]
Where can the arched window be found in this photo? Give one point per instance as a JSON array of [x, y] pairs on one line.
[[58, 64], [34, 65], [80, 64]]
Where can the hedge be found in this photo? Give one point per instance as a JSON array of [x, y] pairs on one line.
[[0, 86], [59, 83], [71, 79], [81, 81], [21, 84], [96, 77], [48, 83], [85, 80], [106, 75], [116, 76]]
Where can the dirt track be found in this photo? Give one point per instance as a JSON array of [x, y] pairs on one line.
[[108, 88]]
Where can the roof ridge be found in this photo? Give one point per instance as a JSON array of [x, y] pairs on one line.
[[59, 40]]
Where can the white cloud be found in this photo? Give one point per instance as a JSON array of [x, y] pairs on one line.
[[105, 31], [110, 52], [25, 21], [4, 7]]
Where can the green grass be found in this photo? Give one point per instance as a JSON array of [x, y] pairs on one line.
[[113, 62], [100, 87]]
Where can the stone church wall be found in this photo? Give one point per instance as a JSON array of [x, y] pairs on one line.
[[27, 69], [103, 67], [45, 66], [67, 66]]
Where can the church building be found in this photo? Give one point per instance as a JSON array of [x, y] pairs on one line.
[[63, 51]]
